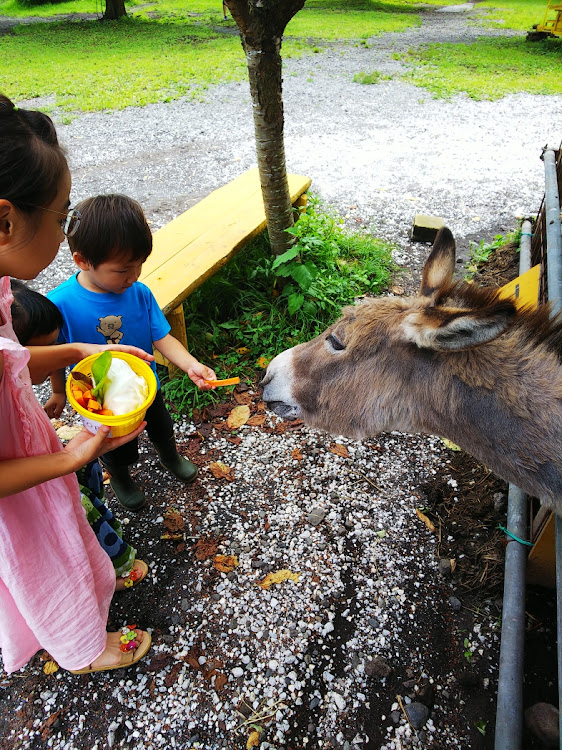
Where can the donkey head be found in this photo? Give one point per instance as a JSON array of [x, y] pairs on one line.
[[381, 365]]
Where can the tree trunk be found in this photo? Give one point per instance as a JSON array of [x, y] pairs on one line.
[[261, 24], [114, 9]]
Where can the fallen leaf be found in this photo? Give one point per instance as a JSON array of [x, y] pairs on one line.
[[67, 431], [220, 682], [253, 740], [263, 362], [450, 445], [173, 521], [238, 416], [171, 678], [257, 420], [339, 450], [206, 548], [297, 455], [279, 577], [242, 350], [158, 663], [50, 667], [425, 519], [233, 440], [171, 537], [453, 564], [242, 398], [48, 723], [221, 471], [397, 290], [225, 563]]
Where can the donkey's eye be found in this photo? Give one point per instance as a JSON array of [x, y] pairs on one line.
[[334, 343]]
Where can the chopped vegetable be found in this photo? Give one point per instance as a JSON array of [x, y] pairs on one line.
[[227, 381], [100, 368]]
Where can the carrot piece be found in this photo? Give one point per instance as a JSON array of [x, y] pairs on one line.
[[79, 398], [105, 412], [87, 395], [227, 381], [93, 405]]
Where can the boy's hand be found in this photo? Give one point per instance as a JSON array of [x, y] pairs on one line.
[[55, 405], [199, 374], [87, 349], [85, 447]]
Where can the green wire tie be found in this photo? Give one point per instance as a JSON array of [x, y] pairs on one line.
[[527, 234], [509, 533]]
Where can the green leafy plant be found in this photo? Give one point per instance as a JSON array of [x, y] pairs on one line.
[[468, 653], [370, 78], [481, 252], [481, 726], [258, 305]]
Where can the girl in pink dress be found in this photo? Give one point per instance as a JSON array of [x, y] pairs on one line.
[[56, 582]]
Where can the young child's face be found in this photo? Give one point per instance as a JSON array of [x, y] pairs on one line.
[[115, 275], [46, 339]]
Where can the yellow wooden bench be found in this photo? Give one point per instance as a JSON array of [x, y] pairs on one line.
[[193, 246]]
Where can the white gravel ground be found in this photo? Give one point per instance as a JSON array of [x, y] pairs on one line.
[[379, 154]]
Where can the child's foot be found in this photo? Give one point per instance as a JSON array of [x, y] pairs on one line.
[[126, 491], [177, 465], [138, 574], [113, 657]]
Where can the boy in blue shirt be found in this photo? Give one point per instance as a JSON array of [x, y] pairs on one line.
[[104, 303]]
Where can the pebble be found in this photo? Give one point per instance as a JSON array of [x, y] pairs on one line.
[[417, 714]]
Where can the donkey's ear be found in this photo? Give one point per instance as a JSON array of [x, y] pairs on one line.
[[440, 266], [449, 329]]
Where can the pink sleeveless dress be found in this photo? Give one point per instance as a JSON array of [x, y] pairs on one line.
[[56, 582]]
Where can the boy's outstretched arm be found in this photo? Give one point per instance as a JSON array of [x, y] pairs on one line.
[[57, 400], [178, 355]]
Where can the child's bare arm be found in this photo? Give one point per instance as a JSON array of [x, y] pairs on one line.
[[57, 401], [178, 355], [19, 474]]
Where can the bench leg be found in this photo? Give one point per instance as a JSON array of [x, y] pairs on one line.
[[176, 319]]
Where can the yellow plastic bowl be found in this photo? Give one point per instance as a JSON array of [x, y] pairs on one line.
[[122, 424]]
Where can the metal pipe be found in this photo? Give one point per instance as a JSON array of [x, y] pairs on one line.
[[554, 287], [509, 711], [553, 237]]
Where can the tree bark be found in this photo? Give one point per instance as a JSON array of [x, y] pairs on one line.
[[114, 9], [261, 24]]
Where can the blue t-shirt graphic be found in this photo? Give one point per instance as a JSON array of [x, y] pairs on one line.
[[132, 318]]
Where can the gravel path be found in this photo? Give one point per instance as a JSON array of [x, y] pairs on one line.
[[316, 663]]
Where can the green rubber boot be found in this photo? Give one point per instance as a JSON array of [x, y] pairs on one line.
[[177, 465], [126, 491]]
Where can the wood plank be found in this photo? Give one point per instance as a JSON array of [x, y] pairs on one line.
[[220, 209], [182, 271], [541, 563]]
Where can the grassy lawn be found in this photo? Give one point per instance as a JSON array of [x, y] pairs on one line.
[[170, 49], [489, 68], [163, 51]]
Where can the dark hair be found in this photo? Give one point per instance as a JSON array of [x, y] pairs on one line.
[[32, 161], [32, 313], [111, 226]]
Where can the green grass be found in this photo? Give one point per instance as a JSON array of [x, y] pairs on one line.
[[249, 311], [370, 78], [512, 14], [92, 66], [163, 51], [489, 68]]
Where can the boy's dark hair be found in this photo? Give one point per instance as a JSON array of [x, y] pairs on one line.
[[32, 313], [111, 226], [31, 160]]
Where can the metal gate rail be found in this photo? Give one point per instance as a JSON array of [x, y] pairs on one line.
[[509, 716]]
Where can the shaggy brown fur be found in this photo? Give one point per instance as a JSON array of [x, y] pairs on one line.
[[456, 361]]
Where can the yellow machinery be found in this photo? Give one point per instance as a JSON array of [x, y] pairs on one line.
[[551, 24]]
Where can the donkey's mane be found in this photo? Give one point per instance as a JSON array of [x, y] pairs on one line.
[[535, 324]]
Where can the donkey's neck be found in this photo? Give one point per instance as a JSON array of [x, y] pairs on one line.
[[522, 445]]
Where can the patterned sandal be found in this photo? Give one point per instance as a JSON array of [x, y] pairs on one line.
[[130, 652], [134, 576]]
